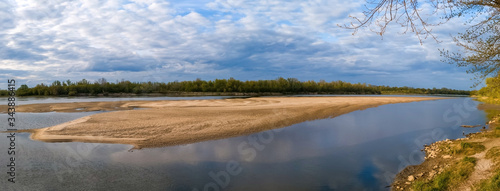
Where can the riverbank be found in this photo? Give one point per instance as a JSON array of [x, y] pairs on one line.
[[239, 94], [471, 163], [167, 123]]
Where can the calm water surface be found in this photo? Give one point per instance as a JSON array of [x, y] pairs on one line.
[[362, 150]]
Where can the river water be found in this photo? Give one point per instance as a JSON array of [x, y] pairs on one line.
[[361, 150]]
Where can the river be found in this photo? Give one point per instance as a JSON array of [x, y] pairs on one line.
[[361, 150]]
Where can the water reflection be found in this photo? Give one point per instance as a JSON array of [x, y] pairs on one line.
[[362, 150]]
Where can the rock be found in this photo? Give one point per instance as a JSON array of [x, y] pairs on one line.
[[420, 175], [431, 154], [431, 174], [447, 156], [411, 178], [435, 166], [470, 126], [408, 183]]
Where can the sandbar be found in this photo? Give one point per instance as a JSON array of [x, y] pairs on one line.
[[168, 123]]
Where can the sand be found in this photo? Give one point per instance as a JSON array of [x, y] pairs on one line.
[[168, 123]]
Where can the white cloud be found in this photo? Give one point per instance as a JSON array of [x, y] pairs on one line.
[[210, 39]]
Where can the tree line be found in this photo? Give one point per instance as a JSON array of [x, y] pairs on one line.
[[279, 85]]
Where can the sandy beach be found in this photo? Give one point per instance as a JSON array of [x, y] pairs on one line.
[[167, 123]]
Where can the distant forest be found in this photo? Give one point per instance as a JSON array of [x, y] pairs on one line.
[[280, 85]]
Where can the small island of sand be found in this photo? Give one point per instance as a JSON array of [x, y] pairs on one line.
[[167, 123]]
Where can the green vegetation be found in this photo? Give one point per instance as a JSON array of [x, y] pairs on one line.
[[280, 85], [492, 113], [450, 178], [4, 93], [493, 153], [491, 92], [462, 148], [492, 184], [470, 148], [495, 133]]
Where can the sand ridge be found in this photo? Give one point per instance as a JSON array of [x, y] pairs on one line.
[[168, 123]]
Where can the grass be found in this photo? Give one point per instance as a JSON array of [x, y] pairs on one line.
[[470, 148], [462, 148], [450, 178], [492, 184], [495, 133], [465, 148], [494, 154], [492, 113]]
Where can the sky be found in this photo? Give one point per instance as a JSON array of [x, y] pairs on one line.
[[155, 40]]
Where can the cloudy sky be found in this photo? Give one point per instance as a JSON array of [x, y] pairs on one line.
[[158, 40]]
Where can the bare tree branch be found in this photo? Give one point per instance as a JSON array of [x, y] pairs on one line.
[[480, 42]]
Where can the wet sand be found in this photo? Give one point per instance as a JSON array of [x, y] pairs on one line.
[[168, 123]]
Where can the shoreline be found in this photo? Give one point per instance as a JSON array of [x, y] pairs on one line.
[[242, 94], [168, 123], [470, 163]]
